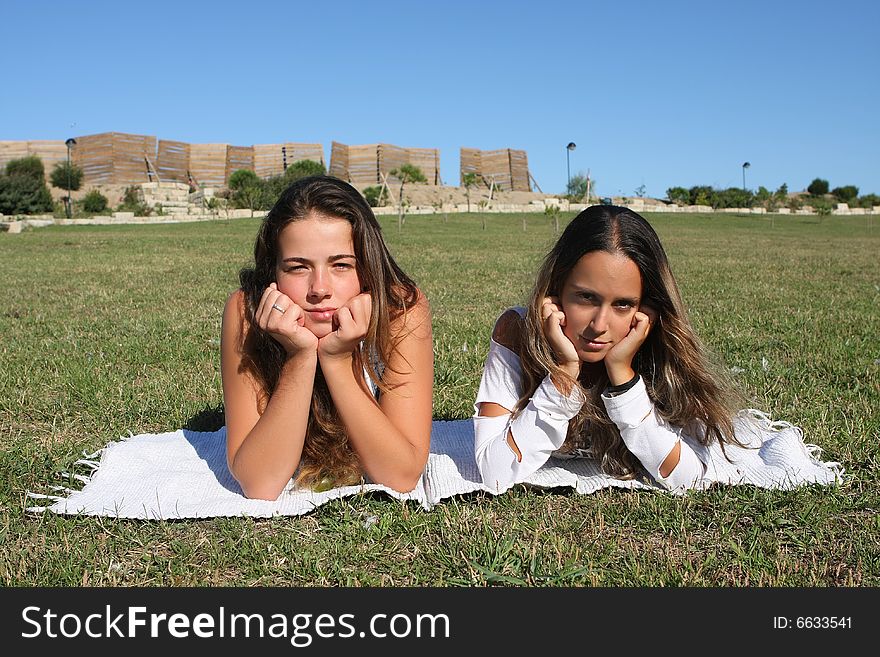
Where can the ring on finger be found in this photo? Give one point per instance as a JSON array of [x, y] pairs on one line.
[[275, 306]]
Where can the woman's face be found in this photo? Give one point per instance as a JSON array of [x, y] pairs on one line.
[[600, 298], [317, 269]]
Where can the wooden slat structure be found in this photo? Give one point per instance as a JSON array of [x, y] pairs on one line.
[[365, 164], [271, 159], [50, 152], [114, 158], [173, 161], [428, 160], [509, 168], [239, 157], [207, 163], [339, 160]]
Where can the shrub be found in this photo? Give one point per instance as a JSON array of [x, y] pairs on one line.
[[818, 187], [94, 202], [22, 193], [62, 173], [376, 195], [31, 167], [821, 205], [577, 187], [701, 195], [303, 169], [246, 189], [131, 202], [678, 195], [846, 194], [732, 197], [868, 201]]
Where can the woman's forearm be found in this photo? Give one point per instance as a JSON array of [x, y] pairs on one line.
[[270, 453], [387, 455]]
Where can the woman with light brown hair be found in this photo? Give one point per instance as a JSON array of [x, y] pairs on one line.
[[603, 363], [326, 349]]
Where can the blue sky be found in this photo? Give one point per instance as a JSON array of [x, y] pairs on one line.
[[653, 93]]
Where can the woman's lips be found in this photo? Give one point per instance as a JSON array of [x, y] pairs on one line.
[[593, 345], [322, 314]]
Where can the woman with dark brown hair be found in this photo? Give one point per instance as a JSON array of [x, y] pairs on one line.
[[603, 363], [327, 359]]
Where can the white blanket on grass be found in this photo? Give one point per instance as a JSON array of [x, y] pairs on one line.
[[183, 474]]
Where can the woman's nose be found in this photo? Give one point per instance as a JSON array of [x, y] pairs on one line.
[[600, 320], [319, 287]]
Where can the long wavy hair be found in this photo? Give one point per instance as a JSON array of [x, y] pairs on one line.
[[327, 457], [687, 389]]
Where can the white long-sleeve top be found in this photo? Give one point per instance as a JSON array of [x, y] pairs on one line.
[[541, 427]]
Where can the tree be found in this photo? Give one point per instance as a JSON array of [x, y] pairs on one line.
[[678, 195], [375, 195], [303, 169], [846, 194], [577, 186], [818, 187], [23, 188], [406, 173], [469, 180], [701, 195], [246, 188], [94, 202], [63, 172], [30, 166]]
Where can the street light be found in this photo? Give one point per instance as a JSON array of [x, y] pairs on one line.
[[69, 143], [746, 165], [568, 149]]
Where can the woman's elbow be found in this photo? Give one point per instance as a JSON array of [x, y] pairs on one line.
[[261, 490], [257, 488], [495, 477], [402, 483]]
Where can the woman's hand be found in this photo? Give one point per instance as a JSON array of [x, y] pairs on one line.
[[618, 360], [565, 352], [350, 324], [286, 327]]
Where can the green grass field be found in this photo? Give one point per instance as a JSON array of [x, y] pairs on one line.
[[114, 329]]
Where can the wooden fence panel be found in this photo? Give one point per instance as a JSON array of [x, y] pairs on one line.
[[50, 152], [339, 161], [207, 164], [428, 160], [129, 151], [390, 158], [496, 166], [238, 157], [509, 168], [519, 171], [363, 164], [470, 162], [94, 155], [114, 158], [173, 161], [270, 159]]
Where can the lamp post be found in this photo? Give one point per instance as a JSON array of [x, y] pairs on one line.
[[746, 165], [69, 143], [568, 149]]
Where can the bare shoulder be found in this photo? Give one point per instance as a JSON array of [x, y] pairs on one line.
[[508, 329], [415, 318]]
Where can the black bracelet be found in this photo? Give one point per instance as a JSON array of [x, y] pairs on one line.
[[623, 387]]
